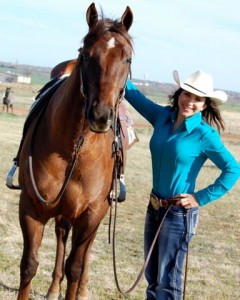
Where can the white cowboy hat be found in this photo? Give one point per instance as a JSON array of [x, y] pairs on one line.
[[201, 84]]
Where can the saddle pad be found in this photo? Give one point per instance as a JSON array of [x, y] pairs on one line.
[[42, 100], [129, 136]]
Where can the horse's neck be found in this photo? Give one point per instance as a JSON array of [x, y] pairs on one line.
[[67, 107]]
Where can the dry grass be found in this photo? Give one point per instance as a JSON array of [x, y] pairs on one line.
[[214, 268]]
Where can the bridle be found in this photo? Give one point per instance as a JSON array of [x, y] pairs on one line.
[[83, 56], [78, 144]]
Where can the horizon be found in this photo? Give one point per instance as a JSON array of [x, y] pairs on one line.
[[180, 34], [133, 78]]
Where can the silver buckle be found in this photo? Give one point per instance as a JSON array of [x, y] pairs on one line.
[[156, 203]]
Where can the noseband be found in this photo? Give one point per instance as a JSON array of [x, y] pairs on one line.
[[79, 142]]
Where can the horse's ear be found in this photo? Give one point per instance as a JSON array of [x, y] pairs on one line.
[[92, 15], [127, 18]]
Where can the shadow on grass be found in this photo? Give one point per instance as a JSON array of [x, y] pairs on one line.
[[4, 287]]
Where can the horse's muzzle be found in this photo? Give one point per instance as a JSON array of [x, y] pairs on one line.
[[100, 129], [100, 119]]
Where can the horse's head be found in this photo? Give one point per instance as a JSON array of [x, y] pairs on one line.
[[104, 66]]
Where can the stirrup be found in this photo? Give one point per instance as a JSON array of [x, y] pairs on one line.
[[122, 191], [9, 179]]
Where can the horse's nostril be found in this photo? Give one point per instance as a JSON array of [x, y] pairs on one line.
[[111, 114], [121, 92]]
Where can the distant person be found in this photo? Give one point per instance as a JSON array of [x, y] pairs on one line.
[[183, 139], [8, 100]]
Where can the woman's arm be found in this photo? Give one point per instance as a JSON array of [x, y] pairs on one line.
[[215, 150], [147, 108]]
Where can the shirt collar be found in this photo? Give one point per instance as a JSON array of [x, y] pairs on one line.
[[190, 122]]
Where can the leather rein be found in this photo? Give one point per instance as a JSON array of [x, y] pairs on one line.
[[115, 190], [146, 261], [71, 167], [79, 143]]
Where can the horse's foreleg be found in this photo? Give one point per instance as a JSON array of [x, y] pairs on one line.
[[32, 231], [82, 291], [62, 228], [76, 268], [77, 271]]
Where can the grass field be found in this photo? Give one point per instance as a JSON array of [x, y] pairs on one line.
[[214, 262]]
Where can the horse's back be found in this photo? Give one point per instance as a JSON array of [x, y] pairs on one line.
[[63, 68]]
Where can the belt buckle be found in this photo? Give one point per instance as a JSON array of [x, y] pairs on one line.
[[156, 203]]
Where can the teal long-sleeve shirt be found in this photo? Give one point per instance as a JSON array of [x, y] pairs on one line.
[[178, 156]]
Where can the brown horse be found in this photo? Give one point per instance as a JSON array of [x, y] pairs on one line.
[[77, 123]]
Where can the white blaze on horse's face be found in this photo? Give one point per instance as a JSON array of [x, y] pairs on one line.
[[105, 64], [111, 43]]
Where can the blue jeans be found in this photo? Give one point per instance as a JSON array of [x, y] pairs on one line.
[[164, 269]]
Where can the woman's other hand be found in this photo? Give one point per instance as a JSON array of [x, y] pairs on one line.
[[186, 200]]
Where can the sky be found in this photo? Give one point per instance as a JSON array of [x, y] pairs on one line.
[[186, 35]]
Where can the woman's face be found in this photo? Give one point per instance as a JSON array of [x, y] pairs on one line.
[[189, 104]]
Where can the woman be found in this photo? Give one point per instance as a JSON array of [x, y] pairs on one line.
[[182, 141]]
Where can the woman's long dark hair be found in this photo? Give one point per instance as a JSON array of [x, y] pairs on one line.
[[211, 114]]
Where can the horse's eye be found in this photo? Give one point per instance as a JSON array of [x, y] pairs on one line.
[[129, 60], [85, 56]]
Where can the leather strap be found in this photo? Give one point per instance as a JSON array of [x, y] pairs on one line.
[[159, 202]]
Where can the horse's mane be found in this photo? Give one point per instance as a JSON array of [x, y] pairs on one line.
[[106, 25]]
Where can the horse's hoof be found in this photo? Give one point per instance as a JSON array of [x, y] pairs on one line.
[[54, 296]]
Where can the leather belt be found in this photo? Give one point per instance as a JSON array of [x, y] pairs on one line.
[[158, 202]]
